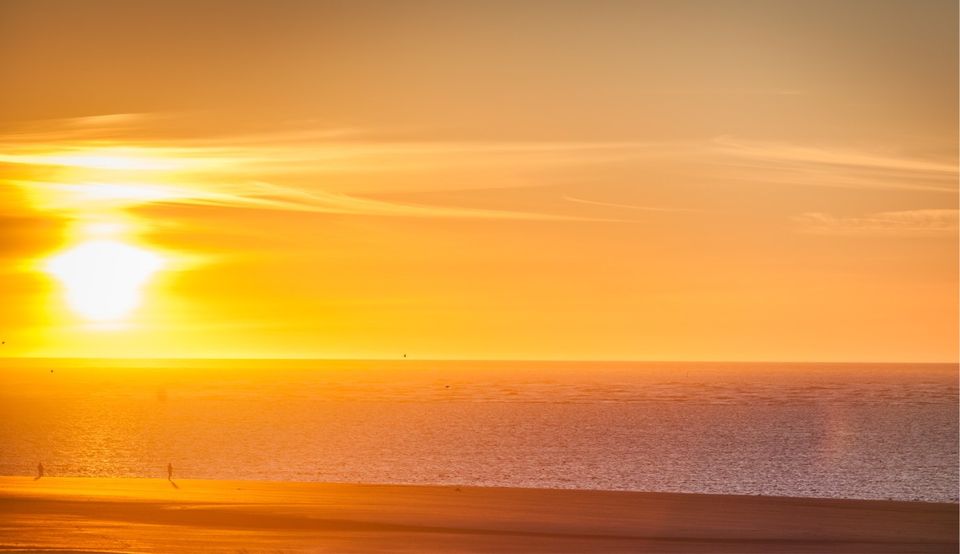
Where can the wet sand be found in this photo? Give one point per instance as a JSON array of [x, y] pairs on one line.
[[151, 515]]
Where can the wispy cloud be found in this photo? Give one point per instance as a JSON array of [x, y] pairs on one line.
[[87, 128], [835, 166], [329, 156], [293, 148], [263, 195], [908, 223], [68, 170], [94, 197], [626, 206], [120, 160]]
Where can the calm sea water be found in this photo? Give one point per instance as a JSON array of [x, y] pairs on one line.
[[827, 430]]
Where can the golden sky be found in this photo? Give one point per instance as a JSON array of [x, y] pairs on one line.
[[682, 180]]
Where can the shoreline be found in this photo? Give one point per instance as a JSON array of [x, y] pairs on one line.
[[25, 477], [155, 515]]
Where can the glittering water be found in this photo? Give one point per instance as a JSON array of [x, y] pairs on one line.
[[835, 430]]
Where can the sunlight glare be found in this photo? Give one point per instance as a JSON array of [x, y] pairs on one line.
[[122, 192], [103, 278], [109, 159]]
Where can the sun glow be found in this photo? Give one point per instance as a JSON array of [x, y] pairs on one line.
[[110, 159], [103, 279]]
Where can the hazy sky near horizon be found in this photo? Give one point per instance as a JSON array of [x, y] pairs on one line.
[[687, 180]]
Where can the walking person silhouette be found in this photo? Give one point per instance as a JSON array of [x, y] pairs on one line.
[[170, 476], [39, 471]]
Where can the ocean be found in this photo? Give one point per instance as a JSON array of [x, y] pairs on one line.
[[871, 431]]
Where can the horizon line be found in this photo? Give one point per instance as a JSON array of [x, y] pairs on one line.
[[428, 359]]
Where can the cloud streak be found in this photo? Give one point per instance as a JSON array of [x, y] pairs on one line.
[[626, 206], [836, 166], [80, 167], [293, 149], [82, 163], [269, 196], [909, 223]]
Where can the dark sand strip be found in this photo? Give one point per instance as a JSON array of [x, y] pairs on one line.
[[149, 515]]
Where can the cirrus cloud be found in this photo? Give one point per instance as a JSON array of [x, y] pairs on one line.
[[907, 223]]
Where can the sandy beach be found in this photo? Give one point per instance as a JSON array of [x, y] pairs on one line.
[[153, 515]]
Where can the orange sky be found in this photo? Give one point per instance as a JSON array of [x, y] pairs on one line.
[[684, 180]]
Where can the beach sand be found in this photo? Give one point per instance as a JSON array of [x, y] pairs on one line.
[[151, 515]]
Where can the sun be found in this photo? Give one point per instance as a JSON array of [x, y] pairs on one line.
[[103, 279]]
